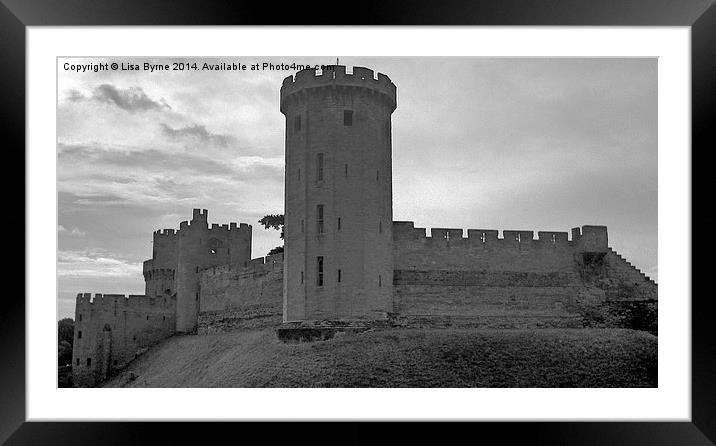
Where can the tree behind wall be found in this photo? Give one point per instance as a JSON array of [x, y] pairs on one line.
[[65, 335], [274, 221]]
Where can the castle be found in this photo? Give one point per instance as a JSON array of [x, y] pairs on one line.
[[346, 261]]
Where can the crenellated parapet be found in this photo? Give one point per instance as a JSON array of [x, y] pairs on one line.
[[112, 329], [200, 220], [110, 302], [336, 77], [165, 234], [592, 239], [233, 227], [595, 237], [178, 255]]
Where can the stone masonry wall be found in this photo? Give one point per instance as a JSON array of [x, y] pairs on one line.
[[112, 329], [203, 246], [241, 295], [338, 194], [449, 280], [487, 281]]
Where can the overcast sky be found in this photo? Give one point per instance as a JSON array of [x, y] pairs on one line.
[[534, 144]]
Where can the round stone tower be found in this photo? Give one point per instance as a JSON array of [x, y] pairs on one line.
[[338, 197]]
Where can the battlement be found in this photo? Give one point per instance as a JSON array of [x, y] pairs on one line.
[[586, 238], [337, 76], [165, 232], [199, 214], [111, 301], [113, 329], [164, 237], [591, 238], [200, 217], [241, 227]]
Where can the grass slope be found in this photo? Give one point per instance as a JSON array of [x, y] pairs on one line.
[[402, 358]]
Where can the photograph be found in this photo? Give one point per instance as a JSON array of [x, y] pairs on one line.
[[357, 222], [453, 220]]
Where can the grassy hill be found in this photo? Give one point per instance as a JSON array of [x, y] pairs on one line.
[[402, 358]]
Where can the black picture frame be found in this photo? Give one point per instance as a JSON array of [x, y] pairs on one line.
[[700, 15]]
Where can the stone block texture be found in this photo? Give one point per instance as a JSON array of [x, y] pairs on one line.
[[338, 194], [248, 295], [178, 255], [112, 329], [346, 262]]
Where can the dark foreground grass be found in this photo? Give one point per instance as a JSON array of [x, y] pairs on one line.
[[403, 358]]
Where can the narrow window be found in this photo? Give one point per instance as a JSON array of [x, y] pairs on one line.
[[347, 117], [197, 297], [302, 226], [345, 170], [114, 362], [79, 334], [319, 167], [319, 218], [89, 362], [78, 361], [377, 175], [339, 223], [319, 270], [147, 317], [299, 174], [339, 275], [483, 238], [554, 240], [164, 318], [297, 123], [80, 318], [301, 277], [380, 280], [380, 226]]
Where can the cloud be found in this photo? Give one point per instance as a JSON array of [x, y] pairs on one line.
[[131, 99], [164, 181], [75, 95], [95, 263], [131, 161], [196, 133], [507, 143], [75, 231]]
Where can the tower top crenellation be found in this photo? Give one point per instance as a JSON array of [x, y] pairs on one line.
[[336, 76]]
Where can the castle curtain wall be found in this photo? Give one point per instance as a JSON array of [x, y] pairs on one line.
[[512, 281], [241, 295], [113, 329]]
